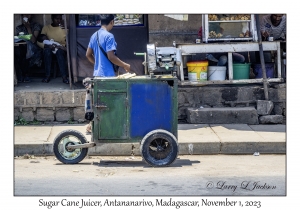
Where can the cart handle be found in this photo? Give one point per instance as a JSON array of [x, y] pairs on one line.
[[145, 60], [139, 53], [87, 80]]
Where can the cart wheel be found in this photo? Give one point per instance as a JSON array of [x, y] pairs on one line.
[[159, 148], [69, 156]]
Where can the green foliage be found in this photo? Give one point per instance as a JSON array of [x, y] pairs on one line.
[[21, 121], [70, 121], [35, 122]]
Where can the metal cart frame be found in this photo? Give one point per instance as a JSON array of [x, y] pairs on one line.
[[140, 109]]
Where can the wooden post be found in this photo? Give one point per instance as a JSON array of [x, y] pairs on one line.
[[262, 59], [44, 19], [230, 66], [67, 43], [15, 77]]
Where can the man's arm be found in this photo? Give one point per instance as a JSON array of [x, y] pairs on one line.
[[117, 61], [34, 36], [263, 31], [34, 33], [41, 44], [90, 55], [284, 28]]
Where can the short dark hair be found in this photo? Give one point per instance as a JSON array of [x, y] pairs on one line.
[[105, 19], [54, 15]]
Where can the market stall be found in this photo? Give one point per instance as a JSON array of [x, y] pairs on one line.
[[228, 48], [229, 34]]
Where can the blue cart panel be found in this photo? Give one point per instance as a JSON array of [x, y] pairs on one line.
[[151, 108]]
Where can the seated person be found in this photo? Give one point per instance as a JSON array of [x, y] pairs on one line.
[[273, 25], [29, 54], [55, 32]]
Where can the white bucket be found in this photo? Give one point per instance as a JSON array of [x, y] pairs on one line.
[[216, 73], [192, 76]]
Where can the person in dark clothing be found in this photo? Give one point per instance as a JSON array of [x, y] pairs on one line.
[[273, 25], [29, 54], [55, 32]]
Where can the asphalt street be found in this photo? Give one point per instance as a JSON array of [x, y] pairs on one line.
[[189, 175]]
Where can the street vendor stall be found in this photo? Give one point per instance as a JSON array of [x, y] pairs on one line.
[[228, 34], [237, 27], [230, 48]]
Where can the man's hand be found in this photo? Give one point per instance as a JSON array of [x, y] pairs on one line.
[[53, 46], [26, 23], [61, 47], [265, 34], [127, 67], [115, 60]]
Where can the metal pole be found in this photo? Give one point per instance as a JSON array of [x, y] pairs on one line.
[[44, 19], [262, 59], [67, 43]]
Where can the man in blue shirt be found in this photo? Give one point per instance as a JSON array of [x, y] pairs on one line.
[[103, 66]]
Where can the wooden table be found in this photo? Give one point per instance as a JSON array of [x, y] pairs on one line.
[[20, 43]]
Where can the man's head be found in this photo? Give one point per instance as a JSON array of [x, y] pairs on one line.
[[56, 19], [107, 20], [276, 19], [26, 17]]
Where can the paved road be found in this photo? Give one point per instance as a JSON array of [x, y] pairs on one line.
[[189, 175]]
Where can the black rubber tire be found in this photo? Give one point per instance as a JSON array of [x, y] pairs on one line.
[[71, 156], [159, 148]]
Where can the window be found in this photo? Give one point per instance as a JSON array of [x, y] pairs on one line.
[[121, 20]]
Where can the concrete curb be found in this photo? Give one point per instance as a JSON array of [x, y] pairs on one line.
[[202, 148], [193, 139]]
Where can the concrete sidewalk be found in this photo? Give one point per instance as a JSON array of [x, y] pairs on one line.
[[192, 139]]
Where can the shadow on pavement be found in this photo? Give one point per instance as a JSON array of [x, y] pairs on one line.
[[138, 163], [281, 128]]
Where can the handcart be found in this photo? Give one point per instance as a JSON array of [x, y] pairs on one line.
[[138, 109]]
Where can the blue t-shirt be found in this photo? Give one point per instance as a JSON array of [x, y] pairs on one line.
[[103, 67]]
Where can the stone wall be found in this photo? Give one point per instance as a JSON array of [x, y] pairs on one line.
[[62, 106], [50, 106], [226, 96]]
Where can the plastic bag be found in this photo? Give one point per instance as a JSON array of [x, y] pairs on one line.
[[25, 37]]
